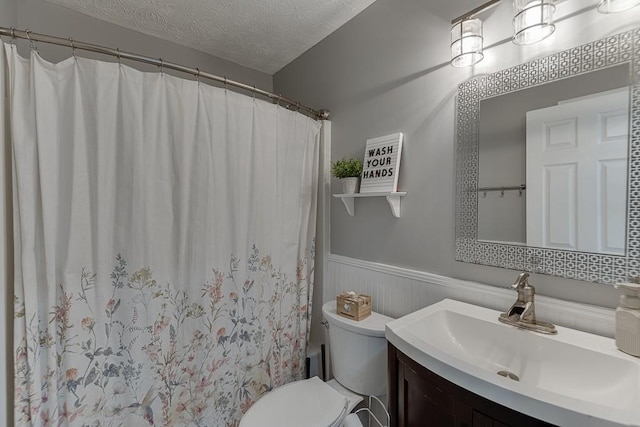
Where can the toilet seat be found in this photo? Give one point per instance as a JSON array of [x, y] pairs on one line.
[[309, 403]]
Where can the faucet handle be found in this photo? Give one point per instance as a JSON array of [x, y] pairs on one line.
[[522, 281]]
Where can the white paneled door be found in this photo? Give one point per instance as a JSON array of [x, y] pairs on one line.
[[577, 173]]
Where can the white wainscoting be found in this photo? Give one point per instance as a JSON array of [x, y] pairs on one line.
[[398, 291]]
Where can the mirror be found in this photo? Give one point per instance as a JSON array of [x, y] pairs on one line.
[[538, 181], [548, 164]]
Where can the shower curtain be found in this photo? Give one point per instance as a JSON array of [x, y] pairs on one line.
[[164, 245]]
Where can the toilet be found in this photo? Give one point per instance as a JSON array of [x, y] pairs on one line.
[[358, 351]]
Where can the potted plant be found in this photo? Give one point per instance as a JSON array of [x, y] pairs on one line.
[[348, 171]]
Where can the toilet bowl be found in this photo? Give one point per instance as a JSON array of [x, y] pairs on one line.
[[358, 351]]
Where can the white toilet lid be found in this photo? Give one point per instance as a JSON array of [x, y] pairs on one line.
[[309, 403]]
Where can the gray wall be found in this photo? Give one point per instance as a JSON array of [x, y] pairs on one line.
[[386, 71], [43, 17], [8, 13]]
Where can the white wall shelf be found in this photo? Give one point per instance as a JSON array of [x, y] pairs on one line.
[[393, 198]]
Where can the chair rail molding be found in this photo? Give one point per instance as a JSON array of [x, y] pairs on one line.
[[397, 291]]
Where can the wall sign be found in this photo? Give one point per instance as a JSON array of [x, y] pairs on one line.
[[381, 164]]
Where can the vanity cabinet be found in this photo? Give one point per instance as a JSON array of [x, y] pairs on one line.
[[420, 398]]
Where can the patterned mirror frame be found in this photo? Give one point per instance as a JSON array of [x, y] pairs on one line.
[[601, 268]]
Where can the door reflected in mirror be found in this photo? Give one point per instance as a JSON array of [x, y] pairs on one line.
[[552, 166]]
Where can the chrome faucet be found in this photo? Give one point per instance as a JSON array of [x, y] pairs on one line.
[[523, 312], [524, 309]]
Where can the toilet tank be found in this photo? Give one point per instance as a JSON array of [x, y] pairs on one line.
[[358, 351]]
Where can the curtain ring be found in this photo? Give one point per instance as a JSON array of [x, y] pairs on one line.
[[254, 91], [73, 48], [225, 82], [297, 106], [119, 56], [161, 66], [32, 44], [198, 74], [13, 35]]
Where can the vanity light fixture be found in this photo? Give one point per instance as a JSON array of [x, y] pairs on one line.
[[466, 37], [615, 6], [533, 20], [466, 42]]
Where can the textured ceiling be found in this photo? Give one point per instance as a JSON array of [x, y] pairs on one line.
[[261, 34]]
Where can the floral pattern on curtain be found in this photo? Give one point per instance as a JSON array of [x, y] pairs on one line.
[[164, 245], [230, 342]]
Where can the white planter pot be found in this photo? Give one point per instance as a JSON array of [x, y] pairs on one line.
[[350, 185]]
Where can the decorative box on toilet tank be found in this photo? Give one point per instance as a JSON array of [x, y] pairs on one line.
[[353, 305]]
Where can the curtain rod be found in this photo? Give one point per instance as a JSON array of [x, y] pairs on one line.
[[44, 38]]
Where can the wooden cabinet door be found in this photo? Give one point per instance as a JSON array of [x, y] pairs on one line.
[[424, 404], [482, 420], [421, 398]]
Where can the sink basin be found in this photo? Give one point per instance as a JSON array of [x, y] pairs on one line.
[[569, 379]]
